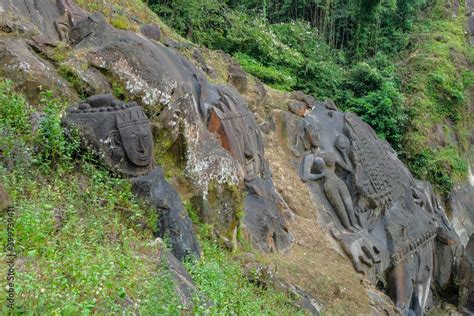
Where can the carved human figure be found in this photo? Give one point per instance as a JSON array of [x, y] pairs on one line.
[[335, 189], [70, 13], [237, 131], [342, 144], [308, 138]]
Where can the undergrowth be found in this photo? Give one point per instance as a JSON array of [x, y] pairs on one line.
[[436, 79]]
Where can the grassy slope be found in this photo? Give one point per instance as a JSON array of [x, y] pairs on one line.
[[83, 242], [436, 82]]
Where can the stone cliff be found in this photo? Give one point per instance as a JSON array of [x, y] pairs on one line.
[[305, 178]]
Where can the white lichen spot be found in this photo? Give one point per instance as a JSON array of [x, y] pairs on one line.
[[23, 65]]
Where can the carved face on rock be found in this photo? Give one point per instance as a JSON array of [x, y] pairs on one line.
[[120, 133], [137, 143], [312, 135]]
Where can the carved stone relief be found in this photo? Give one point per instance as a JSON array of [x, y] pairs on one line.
[[119, 132], [389, 224]]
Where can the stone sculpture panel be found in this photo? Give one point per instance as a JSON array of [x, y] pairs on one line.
[[388, 223], [119, 132]]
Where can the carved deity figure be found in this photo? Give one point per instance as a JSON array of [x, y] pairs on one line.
[[70, 13], [120, 132], [307, 138], [343, 145], [335, 189]]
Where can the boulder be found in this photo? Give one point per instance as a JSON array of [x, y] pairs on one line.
[[237, 77], [173, 221], [152, 31], [298, 108], [466, 279]]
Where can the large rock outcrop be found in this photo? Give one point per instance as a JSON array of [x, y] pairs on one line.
[[222, 138], [390, 224]]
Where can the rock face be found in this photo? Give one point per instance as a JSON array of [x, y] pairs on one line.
[[118, 132], [156, 76], [461, 203], [389, 224], [173, 222], [237, 77], [30, 72], [466, 277]]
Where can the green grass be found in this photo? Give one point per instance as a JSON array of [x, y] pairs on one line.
[[220, 279], [84, 243]]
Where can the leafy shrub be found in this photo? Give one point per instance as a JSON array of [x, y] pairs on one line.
[[14, 110], [54, 148], [202, 21], [277, 78], [373, 93], [15, 127], [441, 167]]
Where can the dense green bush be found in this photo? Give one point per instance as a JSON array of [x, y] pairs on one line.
[[53, 147], [372, 91]]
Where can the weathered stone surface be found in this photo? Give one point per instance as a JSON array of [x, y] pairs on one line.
[[90, 81], [152, 31], [390, 225], [461, 203], [118, 132], [237, 77], [263, 217], [298, 108], [51, 18], [173, 221], [239, 134], [307, 99], [466, 279], [29, 72]]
